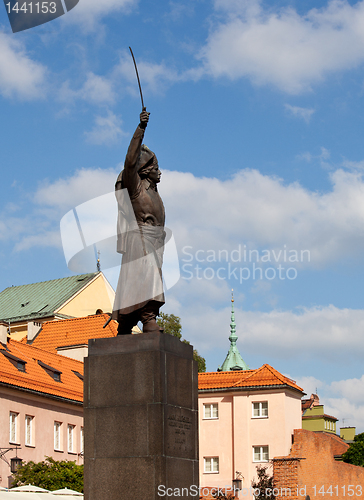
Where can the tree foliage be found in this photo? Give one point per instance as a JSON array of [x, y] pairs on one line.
[[50, 474], [355, 453], [264, 484], [172, 325]]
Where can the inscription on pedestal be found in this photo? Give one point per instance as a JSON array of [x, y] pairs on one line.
[[181, 425], [180, 433]]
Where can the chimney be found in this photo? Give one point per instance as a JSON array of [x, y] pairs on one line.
[[3, 333], [33, 330]]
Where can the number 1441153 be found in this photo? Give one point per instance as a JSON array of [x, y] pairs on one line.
[[30, 7], [349, 490]]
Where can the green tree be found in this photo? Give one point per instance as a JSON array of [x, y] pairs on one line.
[[264, 484], [355, 453], [50, 474], [171, 324]]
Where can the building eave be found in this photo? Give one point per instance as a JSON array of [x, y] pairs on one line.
[[249, 388], [42, 394]]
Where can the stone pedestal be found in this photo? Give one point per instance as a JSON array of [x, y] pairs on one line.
[[140, 414]]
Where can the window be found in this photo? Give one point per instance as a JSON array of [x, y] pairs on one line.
[[260, 454], [70, 433], [211, 410], [13, 434], [260, 410], [82, 440], [57, 435], [211, 464], [29, 430], [20, 366]]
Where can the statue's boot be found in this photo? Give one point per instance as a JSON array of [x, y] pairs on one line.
[[126, 323], [148, 316]]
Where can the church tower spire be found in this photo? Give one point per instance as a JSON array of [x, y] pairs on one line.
[[233, 360]]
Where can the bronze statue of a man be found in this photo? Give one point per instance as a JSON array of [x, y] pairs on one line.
[[141, 235]]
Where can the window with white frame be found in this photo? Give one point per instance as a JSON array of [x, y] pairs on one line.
[[211, 410], [70, 437], [211, 464], [13, 432], [29, 432], [260, 453], [57, 435], [260, 409], [82, 440]]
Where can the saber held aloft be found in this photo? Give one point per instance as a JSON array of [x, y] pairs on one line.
[[137, 74]]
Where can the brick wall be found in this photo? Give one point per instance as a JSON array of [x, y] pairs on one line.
[[311, 466]]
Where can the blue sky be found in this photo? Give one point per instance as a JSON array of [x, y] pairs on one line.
[[257, 121]]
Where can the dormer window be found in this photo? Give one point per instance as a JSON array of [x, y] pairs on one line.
[[15, 361], [52, 372], [78, 374]]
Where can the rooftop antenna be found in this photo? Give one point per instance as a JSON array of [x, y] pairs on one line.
[[97, 257], [98, 265]]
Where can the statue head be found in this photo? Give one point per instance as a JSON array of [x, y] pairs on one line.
[[148, 165]]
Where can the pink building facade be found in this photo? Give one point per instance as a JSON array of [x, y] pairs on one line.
[[40, 427], [246, 418], [41, 410]]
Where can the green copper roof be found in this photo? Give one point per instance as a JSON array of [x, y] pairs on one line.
[[39, 300], [233, 360]]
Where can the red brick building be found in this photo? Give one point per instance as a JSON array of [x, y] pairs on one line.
[[311, 469]]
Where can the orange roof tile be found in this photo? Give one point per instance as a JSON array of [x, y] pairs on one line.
[[74, 331], [35, 378], [265, 376]]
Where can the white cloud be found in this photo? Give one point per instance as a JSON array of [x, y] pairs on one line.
[[155, 77], [348, 412], [343, 399], [309, 384], [39, 225], [281, 47], [353, 389], [106, 130], [96, 89], [249, 209], [304, 113], [20, 76], [88, 13], [322, 333], [65, 194], [264, 213]]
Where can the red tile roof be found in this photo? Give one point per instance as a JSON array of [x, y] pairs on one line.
[[313, 400], [265, 376], [35, 378], [74, 331]]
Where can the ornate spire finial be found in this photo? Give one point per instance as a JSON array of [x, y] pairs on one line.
[[233, 337]]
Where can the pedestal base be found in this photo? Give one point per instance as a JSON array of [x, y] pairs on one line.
[[140, 418]]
